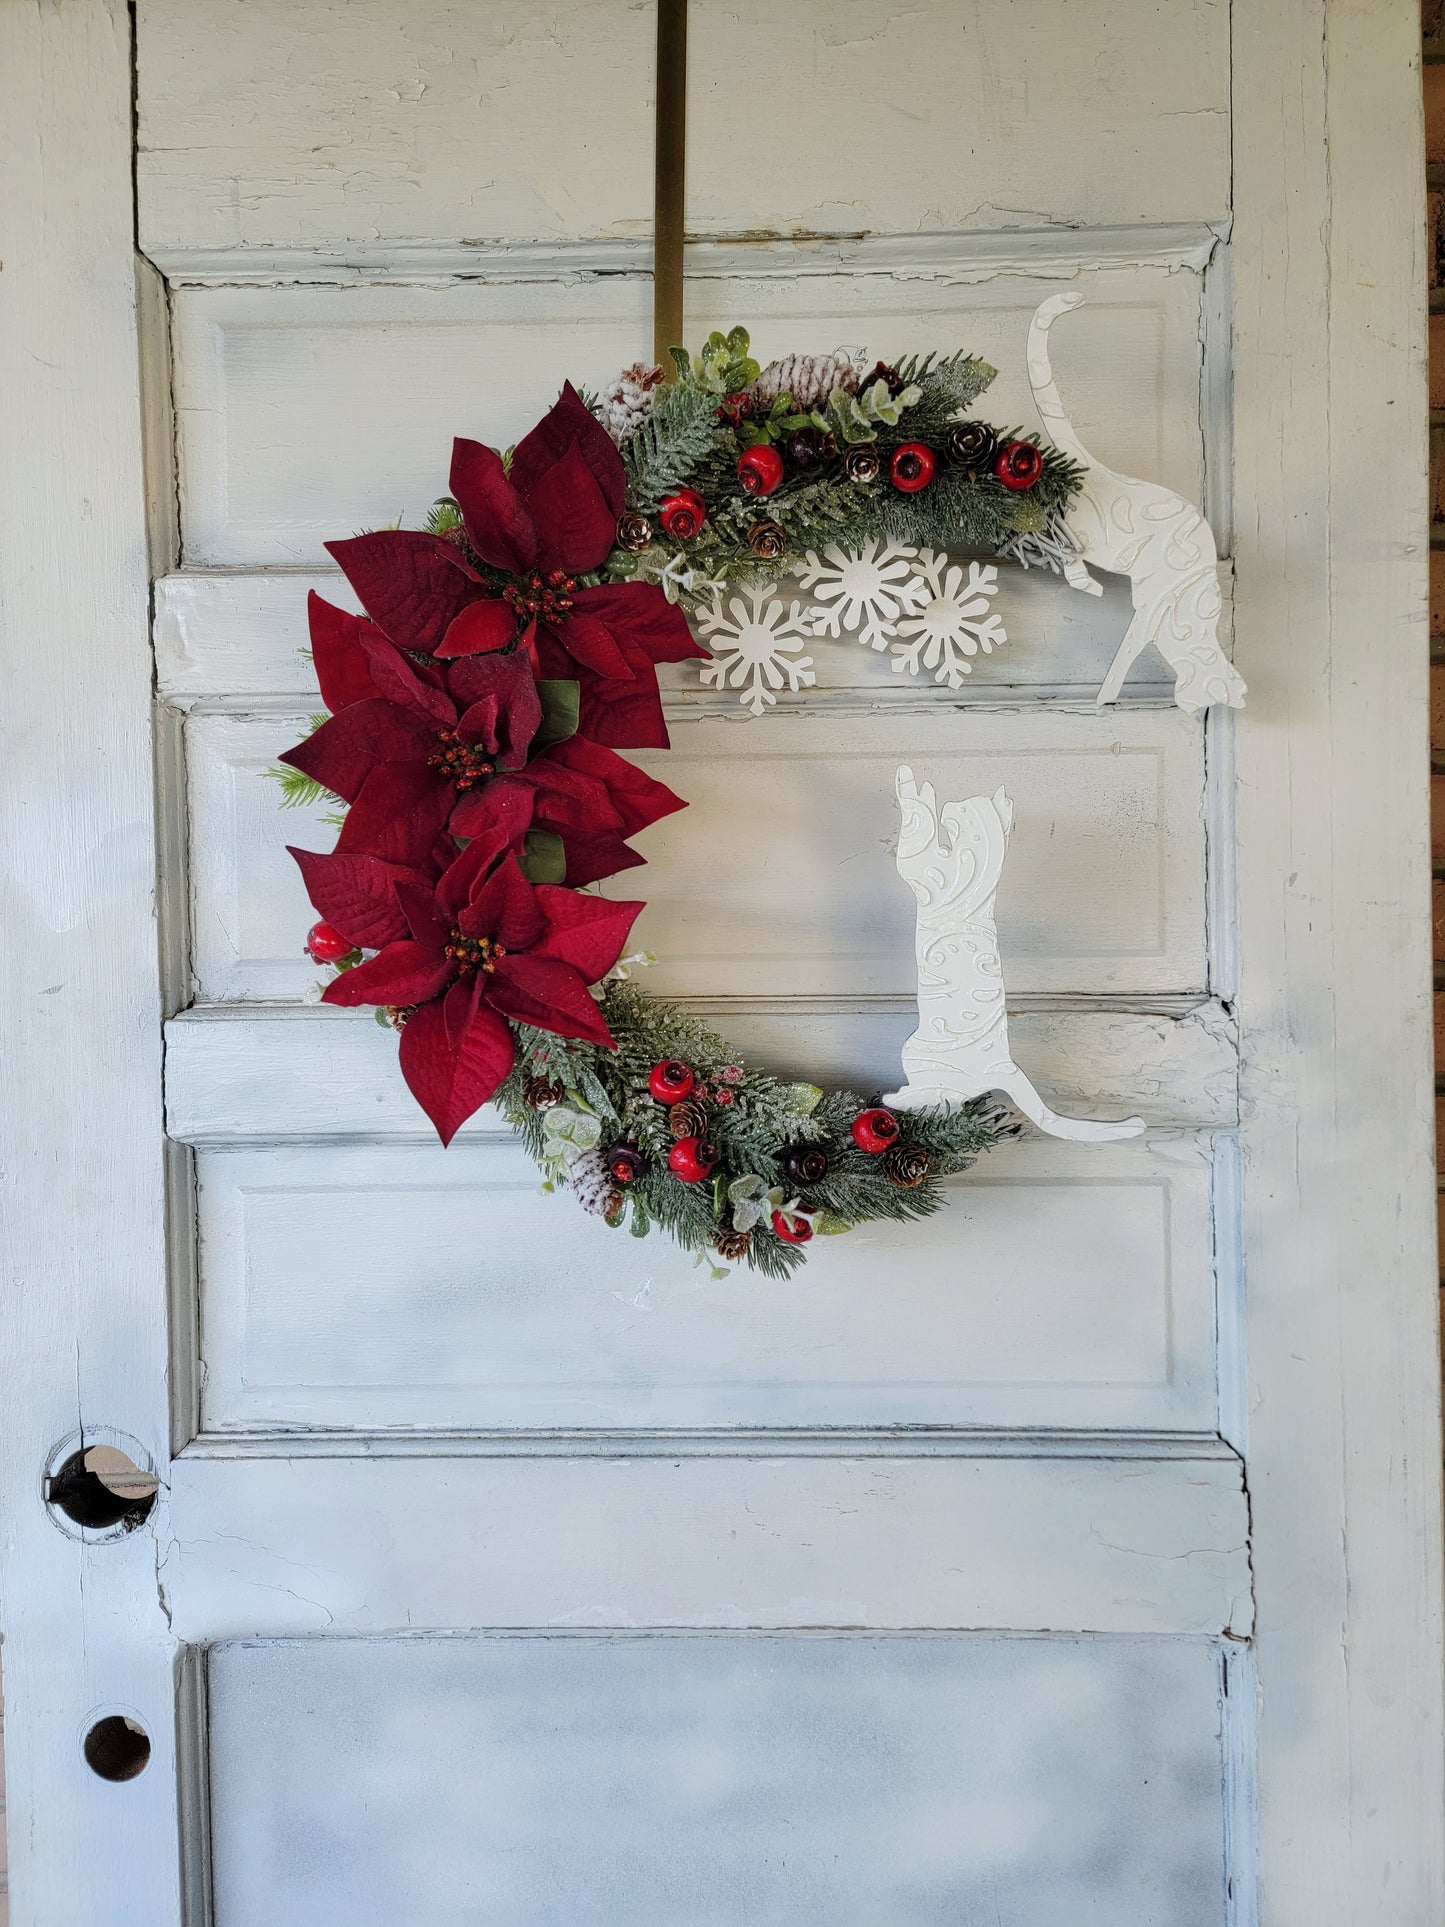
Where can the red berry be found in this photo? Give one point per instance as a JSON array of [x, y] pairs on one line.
[[683, 513], [1018, 465], [670, 1081], [794, 1230], [691, 1159], [912, 467], [327, 945], [760, 469], [875, 1130]]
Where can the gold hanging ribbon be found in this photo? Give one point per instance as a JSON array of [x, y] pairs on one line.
[[670, 180]]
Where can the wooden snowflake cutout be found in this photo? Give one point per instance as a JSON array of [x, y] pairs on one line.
[[755, 641], [951, 628], [865, 592]]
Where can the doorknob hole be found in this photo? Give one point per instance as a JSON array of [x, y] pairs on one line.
[[101, 1487], [117, 1748]]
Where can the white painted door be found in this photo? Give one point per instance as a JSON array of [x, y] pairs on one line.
[[1069, 1558]]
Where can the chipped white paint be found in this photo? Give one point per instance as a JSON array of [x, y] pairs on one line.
[[952, 859], [295, 125], [1142, 530], [232, 1070]]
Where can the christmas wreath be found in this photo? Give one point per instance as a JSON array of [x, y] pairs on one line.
[[473, 721]]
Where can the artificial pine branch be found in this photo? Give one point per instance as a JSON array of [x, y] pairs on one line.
[[752, 1133]]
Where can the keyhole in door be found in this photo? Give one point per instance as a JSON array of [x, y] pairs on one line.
[[117, 1748], [100, 1487]]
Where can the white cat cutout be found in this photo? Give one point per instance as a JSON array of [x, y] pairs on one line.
[[952, 860], [1142, 530]]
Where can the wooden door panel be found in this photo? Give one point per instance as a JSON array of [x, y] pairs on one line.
[[408, 1286], [778, 880], [847, 1782], [304, 413]]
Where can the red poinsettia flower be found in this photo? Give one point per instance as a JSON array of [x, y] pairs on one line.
[[475, 947], [540, 524], [465, 727]]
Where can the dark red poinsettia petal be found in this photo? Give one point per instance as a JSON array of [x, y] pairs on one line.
[[404, 683], [639, 799], [495, 817], [591, 855], [638, 613], [336, 653], [504, 907], [586, 932], [458, 1005], [481, 627], [549, 994], [398, 815], [590, 643], [355, 894], [570, 424], [419, 906], [498, 523], [450, 1083], [575, 527], [412, 584], [616, 714], [568, 799], [500, 705], [402, 973], [349, 746]]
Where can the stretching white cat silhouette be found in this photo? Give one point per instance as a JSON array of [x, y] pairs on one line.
[[1139, 529], [952, 860]]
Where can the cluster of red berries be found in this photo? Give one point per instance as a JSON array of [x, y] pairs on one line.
[[911, 467]]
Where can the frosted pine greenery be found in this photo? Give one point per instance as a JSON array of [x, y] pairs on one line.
[[690, 441], [766, 1118]]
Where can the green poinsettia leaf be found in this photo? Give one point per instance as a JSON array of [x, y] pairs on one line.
[[829, 1225], [561, 708], [802, 1097], [682, 361], [543, 858]]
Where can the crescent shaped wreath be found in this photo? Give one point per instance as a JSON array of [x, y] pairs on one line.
[[473, 721]]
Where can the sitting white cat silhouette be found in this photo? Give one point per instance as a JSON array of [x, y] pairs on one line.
[[1139, 529], [952, 860]]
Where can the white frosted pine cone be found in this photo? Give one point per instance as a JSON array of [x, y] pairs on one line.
[[809, 379], [626, 403], [592, 1181]]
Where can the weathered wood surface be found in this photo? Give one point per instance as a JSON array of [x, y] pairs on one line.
[[82, 1226], [506, 124], [235, 1073], [389, 1543]]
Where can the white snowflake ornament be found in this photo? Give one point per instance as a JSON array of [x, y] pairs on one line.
[[865, 592], [755, 641], [953, 621]]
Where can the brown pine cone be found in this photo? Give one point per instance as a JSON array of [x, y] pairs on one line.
[[732, 1244], [861, 463], [634, 532], [905, 1165], [541, 1093], [768, 539], [687, 1118]]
